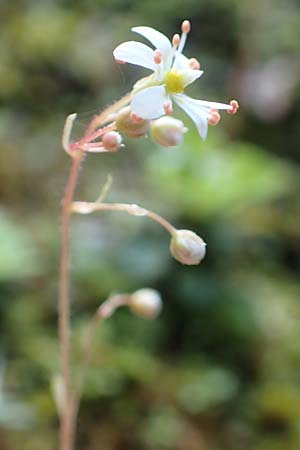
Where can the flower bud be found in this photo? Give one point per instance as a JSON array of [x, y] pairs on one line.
[[187, 247], [145, 303], [167, 131], [112, 141], [126, 124]]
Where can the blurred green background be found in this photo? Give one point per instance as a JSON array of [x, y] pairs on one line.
[[220, 368]]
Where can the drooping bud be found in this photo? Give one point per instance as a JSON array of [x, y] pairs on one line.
[[112, 141], [167, 131], [145, 303], [126, 123], [187, 247]]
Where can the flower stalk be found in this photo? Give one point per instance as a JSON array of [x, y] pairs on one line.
[[67, 417], [77, 151], [133, 115], [132, 209], [105, 311]]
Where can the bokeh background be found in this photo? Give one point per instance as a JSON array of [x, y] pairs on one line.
[[220, 368]]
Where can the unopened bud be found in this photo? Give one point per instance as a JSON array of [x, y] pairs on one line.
[[146, 303], [167, 131], [126, 123], [187, 247], [112, 141]]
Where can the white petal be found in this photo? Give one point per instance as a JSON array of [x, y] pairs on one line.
[[135, 53], [212, 105], [156, 38], [149, 102], [181, 62], [190, 75], [197, 112]]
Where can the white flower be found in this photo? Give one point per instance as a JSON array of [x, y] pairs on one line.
[[172, 72]]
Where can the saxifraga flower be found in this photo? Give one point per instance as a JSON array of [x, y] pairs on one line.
[[153, 96]]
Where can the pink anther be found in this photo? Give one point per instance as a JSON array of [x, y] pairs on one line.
[[176, 40], [234, 107], [119, 61], [136, 118], [168, 108], [157, 56], [194, 64], [186, 26], [214, 118]]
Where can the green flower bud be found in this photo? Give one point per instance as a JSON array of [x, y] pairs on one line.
[[167, 131], [145, 303], [129, 125], [187, 247]]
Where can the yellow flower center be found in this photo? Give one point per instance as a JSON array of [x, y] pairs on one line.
[[174, 81]]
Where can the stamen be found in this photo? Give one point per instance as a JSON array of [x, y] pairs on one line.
[[119, 61], [168, 108], [214, 118], [194, 64], [186, 26], [157, 56], [234, 107], [176, 40], [136, 118]]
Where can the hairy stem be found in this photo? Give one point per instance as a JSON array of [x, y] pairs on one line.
[[100, 118], [76, 151], [67, 419]]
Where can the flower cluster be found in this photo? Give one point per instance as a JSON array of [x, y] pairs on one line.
[[153, 96], [147, 109], [149, 106]]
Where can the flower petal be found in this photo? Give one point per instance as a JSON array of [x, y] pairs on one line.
[[212, 105], [190, 75], [149, 102], [181, 62], [197, 112], [135, 53], [156, 38]]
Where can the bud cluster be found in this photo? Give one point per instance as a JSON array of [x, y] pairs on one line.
[[165, 131], [131, 125]]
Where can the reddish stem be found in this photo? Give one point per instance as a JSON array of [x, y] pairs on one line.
[[67, 418]]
